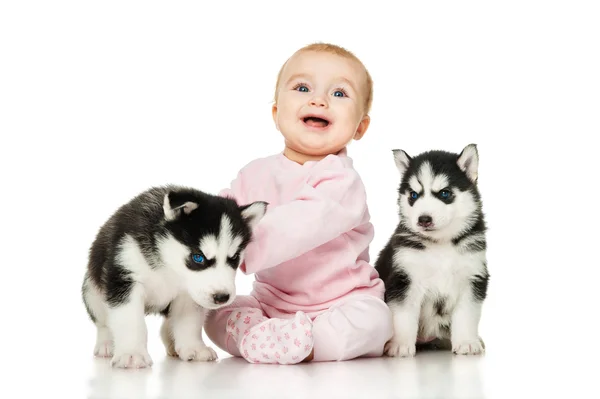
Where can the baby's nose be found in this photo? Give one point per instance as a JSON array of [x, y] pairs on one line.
[[318, 101]]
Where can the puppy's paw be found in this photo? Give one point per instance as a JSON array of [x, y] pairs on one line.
[[171, 351], [131, 360], [200, 353], [103, 349], [170, 348], [394, 348], [468, 347]]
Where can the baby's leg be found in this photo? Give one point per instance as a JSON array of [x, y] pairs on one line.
[[243, 330], [358, 327], [216, 322], [282, 341]]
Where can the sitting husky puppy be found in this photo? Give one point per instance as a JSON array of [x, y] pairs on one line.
[[170, 250], [434, 265]]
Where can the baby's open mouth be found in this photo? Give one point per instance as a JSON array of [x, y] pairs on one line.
[[314, 121]]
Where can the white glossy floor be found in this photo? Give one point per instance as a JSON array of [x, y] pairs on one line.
[[427, 376], [430, 375], [63, 366]]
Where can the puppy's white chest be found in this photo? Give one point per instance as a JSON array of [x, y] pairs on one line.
[[160, 287], [440, 268]]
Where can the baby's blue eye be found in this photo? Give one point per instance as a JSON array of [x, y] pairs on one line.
[[302, 89], [339, 93], [414, 195], [198, 258]]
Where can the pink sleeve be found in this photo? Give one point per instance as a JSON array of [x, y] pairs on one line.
[[323, 209]]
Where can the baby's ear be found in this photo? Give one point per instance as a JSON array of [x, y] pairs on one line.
[[274, 114], [362, 128], [174, 203], [402, 160], [252, 213]]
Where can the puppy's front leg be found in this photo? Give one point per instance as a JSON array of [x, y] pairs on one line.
[[465, 325], [127, 323], [184, 323], [405, 313]]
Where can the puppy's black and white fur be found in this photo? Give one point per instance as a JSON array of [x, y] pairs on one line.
[[434, 265], [170, 250]]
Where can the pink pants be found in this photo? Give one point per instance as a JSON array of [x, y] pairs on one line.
[[359, 326]]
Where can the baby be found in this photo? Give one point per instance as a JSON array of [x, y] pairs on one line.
[[315, 295]]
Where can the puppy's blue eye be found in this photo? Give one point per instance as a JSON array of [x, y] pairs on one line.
[[414, 195], [444, 194], [198, 258]]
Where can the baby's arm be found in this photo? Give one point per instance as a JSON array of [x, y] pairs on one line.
[[326, 207]]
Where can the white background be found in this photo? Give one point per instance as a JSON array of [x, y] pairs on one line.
[[100, 100]]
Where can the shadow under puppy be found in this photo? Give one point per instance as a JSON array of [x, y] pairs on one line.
[[172, 251], [434, 265]]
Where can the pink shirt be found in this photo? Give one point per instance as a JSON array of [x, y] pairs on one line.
[[311, 248]]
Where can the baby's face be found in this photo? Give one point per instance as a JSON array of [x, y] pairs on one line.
[[320, 103]]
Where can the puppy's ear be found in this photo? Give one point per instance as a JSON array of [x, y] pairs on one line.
[[402, 160], [252, 213], [174, 203], [468, 162]]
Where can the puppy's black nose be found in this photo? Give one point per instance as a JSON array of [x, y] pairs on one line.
[[220, 298], [425, 220]]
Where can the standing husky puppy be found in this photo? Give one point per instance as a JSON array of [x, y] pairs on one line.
[[434, 265], [170, 250]]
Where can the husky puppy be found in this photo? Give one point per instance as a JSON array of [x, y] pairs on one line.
[[172, 251], [434, 265]]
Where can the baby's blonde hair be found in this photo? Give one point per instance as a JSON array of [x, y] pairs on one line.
[[339, 51]]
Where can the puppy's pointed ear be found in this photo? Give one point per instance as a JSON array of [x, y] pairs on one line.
[[252, 213], [175, 203], [468, 162], [402, 160]]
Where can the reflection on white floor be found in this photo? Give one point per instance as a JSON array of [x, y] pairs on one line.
[[516, 365], [426, 376]]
